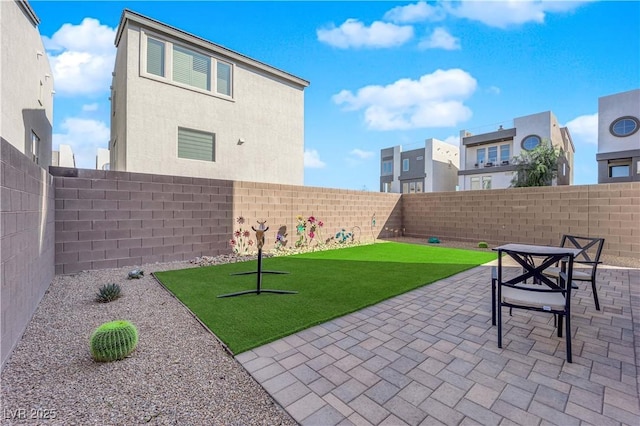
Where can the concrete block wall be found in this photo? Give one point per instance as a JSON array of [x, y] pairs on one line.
[[26, 242], [530, 215], [353, 211], [107, 219]]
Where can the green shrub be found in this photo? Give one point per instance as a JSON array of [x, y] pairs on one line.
[[107, 293], [434, 240], [113, 340], [482, 244]]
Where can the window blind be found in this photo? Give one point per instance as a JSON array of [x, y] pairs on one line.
[[191, 68], [224, 78], [196, 145], [155, 57]]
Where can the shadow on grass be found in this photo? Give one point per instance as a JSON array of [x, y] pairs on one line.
[[327, 288]]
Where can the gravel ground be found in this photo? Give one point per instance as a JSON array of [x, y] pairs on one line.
[[179, 373]]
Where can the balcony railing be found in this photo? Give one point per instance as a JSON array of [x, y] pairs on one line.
[[492, 164]]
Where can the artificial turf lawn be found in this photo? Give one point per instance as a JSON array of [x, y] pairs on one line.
[[329, 283]]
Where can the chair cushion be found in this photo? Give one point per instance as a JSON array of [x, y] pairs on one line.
[[533, 299], [578, 274]]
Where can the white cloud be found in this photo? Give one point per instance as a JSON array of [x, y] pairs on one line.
[[90, 107], [312, 159], [416, 12], [584, 129], [434, 100], [82, 57], [353, 33], [363, 155], [453, 140], [494, 90], [85, 137], [440, 39], [502, 14]]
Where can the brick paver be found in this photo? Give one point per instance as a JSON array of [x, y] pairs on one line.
[[430, 357]]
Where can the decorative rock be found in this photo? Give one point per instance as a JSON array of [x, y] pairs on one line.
[[136, 273]]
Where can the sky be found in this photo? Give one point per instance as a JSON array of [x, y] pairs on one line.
[[381, 73]]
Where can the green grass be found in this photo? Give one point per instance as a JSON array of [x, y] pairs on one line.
[[329, 284]]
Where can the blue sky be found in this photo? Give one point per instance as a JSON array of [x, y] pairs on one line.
[[381, 73]]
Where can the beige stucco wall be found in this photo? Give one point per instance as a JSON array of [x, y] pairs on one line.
[[442, 176], [266, 112], [611, 108], [24, 64]]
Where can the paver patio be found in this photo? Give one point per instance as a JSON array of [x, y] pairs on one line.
[[430, 357]]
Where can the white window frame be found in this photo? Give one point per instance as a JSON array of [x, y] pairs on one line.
[[418, 186], [168, 65], [503, 148], [405, 164], [475, 184], [390, 168], [35, 147], [213, 140], [486, 182], [493, 149], [484, 156]]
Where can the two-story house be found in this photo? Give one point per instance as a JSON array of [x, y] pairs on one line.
[[432, 168], [182, 105], [618, 154], [26, 83], [486, 160]]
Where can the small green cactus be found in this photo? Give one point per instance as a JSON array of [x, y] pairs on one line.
[[482, 244], [113, 340], [108, 292]]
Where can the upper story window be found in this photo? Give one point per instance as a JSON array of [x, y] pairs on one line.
[[405, 165], [167, 61], [191, 68], [387, 167], [531, 142], [155, 57], [480, 156], [624, 126], [493, 154], [505, 153]]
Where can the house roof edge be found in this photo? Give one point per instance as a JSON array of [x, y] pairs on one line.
[[129, 15]]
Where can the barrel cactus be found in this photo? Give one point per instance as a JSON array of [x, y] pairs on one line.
[[113, 340]]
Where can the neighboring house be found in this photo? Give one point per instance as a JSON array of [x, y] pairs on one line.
[[486, 160], [182, 105], [618, 137], [102, 159], [26, 83], [63, 157], [433, 168]]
